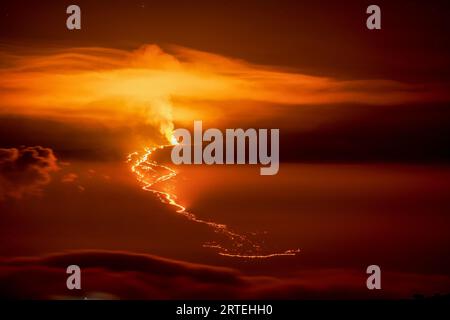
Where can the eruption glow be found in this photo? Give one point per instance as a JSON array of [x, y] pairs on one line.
[[131, 92], [149, 173]]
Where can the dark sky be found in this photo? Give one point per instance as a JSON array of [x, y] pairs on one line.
[[318, 37]]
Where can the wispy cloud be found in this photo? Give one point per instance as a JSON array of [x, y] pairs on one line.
[[138, 87]]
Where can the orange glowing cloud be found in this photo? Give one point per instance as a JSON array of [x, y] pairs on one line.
[[139, 87]]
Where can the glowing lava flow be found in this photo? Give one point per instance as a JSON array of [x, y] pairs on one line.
[[149, 173]]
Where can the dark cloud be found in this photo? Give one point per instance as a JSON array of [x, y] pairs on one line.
[[73, 140], [354, 133], [416, 133], [25, 170], [138, 276]]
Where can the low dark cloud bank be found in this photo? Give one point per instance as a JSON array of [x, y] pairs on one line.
[[121, 275], [25, 170]]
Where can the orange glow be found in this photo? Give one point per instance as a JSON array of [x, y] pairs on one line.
[[118, 87], [149, 173], [173, 140]]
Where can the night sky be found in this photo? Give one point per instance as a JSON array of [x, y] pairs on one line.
[[364, 119]]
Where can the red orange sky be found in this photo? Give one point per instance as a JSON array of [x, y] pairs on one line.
[[364, 121]]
